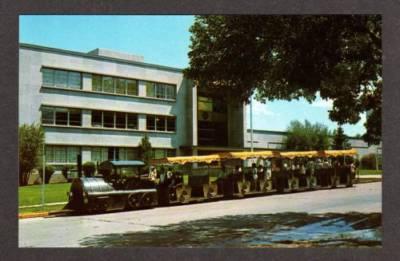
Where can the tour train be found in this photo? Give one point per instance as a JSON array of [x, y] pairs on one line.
[[178, 180]]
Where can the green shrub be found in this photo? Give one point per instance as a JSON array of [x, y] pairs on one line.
[[105, 169], [368, 161], [89, 169], [49, 170]]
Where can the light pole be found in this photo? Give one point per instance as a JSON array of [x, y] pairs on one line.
[[43, 175], [251, 124]]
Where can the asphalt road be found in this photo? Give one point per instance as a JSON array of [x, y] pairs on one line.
[[69, 231]]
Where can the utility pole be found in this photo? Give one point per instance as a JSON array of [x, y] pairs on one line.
[[43, 174], [251, 124]]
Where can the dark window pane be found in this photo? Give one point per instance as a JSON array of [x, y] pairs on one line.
[[132, 121], [108, 84], [96, 83], [47, 115], [170, 91], [61, 116], [61, 79], [150, 122], [96, 119], [160, 91], [49, 153], [120, 120], [120, 86], [160, 123], [170, 124], [171, 153], [108, 118], [72, 154], [132, 88], [75, 118], [48, 77], [150, 90]]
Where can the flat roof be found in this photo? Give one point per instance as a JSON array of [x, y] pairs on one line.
[[97, 57]]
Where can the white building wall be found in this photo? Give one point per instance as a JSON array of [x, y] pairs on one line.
[[32, 96]]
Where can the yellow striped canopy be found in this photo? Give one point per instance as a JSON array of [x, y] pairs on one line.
[[255, 154]]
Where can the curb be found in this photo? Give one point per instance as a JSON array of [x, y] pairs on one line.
[[33, 215]]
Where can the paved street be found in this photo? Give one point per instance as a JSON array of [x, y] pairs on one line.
[[69, 231]]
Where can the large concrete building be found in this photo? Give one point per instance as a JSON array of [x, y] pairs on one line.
[[100, 104]]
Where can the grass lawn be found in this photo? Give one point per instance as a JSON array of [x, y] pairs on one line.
[[370, 172], [31, 195]]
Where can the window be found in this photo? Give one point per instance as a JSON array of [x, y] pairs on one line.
[[49, 150], [96, 83], [150, 89], [120, 86], [120, 120], [61, 116], [170, 92], [170, 124], [161, 90], [61, 78], [74, 80], [150, 122], [132, 87], [99, 154], [127, 153], [48, 77], [72, 154], [108, 119], [75, 117], [47, 115], [97, 119], [163, 153], [132, 121], [160, 123], [62, 154], [108, 84]]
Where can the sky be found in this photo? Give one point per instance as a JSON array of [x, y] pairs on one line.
[[161, 40]]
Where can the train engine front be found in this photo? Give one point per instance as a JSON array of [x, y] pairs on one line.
[[118, 185]]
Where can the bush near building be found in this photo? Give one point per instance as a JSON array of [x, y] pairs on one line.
[[368, 161], [49, 170], [30, 145], [89, 168]]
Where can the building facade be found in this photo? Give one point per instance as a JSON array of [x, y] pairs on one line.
[[100, 104]]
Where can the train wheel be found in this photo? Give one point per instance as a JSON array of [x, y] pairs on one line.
[[133, 201]]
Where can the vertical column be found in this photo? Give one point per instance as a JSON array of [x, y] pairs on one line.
[[86, 81], [194, 116], [142, 122], [86, 154], [86, 118], [142, 88]]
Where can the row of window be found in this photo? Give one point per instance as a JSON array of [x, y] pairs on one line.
[[105, 119], [119, 120], [69, 154], [61, 116], [61, 78], [100, 83], [62, 154]]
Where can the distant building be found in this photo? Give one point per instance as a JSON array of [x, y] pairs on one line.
[[101, 103]]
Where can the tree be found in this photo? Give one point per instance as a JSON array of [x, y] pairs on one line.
[[340, 141], [307, 136], [30, 145], [288, 57], [145, 151]]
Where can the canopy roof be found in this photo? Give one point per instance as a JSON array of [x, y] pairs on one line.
[[127, 163], [255, 154]]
